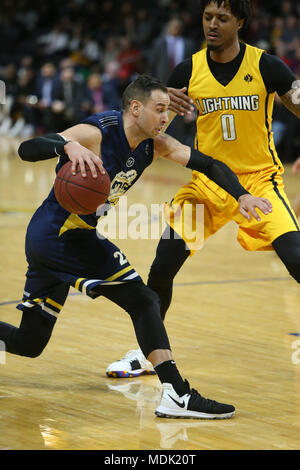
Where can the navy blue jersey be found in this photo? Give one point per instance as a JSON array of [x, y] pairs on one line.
[[64, 249], [123, 165]]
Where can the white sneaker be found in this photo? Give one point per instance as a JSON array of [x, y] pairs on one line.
[[133, 364], [190, 405]]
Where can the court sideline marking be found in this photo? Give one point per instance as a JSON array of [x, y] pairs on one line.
[[197, 283]]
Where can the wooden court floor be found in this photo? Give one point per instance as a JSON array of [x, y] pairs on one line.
[[234, 327]]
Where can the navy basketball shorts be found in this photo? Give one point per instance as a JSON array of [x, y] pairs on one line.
[[78, 258]]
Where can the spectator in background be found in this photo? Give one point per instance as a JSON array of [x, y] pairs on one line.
[[276, 32], [111, 86], [169, 50], [75, 38], [71, 100], [289, 41], [286, 8], [111, 50], [26, 63], [130, 61], [94, 84], [54, 42], [91, 49], [46, 80], [16, 112], [8, 75], [144, 28], [22, 112], [99, 37]]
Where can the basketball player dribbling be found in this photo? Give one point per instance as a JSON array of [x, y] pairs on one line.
[[63, 249]]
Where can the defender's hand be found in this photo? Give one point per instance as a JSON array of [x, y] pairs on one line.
[[180, 103], [80, 155], [296, 166], [249, 203]]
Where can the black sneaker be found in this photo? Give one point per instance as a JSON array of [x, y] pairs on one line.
[[190, 405]]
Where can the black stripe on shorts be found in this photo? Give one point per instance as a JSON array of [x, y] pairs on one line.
[[275, 187]]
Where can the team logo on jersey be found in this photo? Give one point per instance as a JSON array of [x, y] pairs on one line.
[[248, 78], [120, 184], [130, 162]]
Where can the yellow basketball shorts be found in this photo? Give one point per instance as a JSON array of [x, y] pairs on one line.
[[210, 208]]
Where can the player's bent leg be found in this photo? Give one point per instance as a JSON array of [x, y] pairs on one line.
[[170, 256], [287, 247], [142, 304], [171, 253], [31, 337], [178, 399]]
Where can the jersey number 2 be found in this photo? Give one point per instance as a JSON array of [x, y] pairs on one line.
[[228, 127], [122, 258]]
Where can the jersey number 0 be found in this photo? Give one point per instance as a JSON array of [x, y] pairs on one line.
[[228, 127]]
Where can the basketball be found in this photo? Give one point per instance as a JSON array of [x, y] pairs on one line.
[[81, 195]]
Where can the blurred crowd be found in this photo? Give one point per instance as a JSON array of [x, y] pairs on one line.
[[61, 61]]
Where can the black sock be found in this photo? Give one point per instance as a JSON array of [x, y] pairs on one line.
[[168, 373]]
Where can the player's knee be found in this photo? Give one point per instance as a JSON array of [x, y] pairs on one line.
[[170, 256], [30, 352], [288, 249], [159, 274], [149, 299], [147, 322], [31, 347], [293, 263], [31, 343], [146, 302]]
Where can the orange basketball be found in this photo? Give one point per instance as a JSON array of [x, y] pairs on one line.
[[81, 195]]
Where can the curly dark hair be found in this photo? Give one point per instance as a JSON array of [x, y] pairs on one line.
[[241, 9]]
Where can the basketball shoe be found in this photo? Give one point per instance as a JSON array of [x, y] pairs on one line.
[[190, 405], [133, 364]]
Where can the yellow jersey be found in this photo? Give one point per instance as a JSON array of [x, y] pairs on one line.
[[234, 122]]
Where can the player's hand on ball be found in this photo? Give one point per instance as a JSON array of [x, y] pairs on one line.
[[180, 103], [249, 204], [82, 156], [296, 166]]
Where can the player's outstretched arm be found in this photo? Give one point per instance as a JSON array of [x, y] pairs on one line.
[[169, 148], [81, 143]]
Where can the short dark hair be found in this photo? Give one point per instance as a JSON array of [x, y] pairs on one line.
[[140, 89], [241, 9]]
